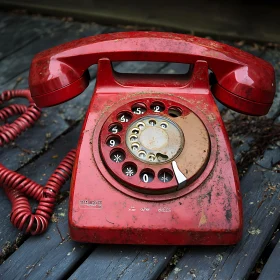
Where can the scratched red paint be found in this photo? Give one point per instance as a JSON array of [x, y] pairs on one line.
[[102, 209]]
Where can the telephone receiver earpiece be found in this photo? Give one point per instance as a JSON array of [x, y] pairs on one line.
[[245, 83]]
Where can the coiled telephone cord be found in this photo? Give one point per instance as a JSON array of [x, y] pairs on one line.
[[17, 186]]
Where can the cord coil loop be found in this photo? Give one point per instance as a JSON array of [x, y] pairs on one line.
[[17, 186]]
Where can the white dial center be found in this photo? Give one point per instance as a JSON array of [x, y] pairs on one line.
[[154, 138]]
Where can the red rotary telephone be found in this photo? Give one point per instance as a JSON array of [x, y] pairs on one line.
[[153, 163]]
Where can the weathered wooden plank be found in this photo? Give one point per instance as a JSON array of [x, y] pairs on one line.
[[23, 31], [52, 122], [125, 262], [271, 269], [50, 255], [240, 145], [20, 61], [40, 269], [239, 19], [6, 19], [39, 171], [260, 189]]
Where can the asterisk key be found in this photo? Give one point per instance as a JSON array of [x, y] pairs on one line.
[[117, 158], [129, 171]]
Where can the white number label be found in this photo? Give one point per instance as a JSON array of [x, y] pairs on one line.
[[156, 109], [145, 178], [115, 129], [112, 143], [123, 119], [138, 111]]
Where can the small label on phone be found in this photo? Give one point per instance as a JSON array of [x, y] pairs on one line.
[[91, 204]]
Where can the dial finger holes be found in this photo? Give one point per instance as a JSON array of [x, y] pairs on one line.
[[141, 125], [113, 141], [129, 169], [133, 138], [147, 175], [115, 128], [142, 154], [124, 117], [135, 131], [135, 147], [174, 112], [139, 109], [165, 175], [152, 122], [151, 157], [157, 107], [117, 155]]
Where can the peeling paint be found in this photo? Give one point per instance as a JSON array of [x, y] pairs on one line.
[[203, 219]]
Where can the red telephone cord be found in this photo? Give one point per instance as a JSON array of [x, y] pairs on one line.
[[17, 186]]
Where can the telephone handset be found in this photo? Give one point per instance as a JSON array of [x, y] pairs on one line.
[[245, 83], [154, 164]]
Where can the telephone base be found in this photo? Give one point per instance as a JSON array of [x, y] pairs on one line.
[[154, 165]]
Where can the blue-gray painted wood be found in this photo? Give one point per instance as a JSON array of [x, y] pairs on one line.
[[125, 262], [271, 270], [39, 170], [53, 121], [21, 32], [54, 259], [20, 60], [7, 19], [261, 214]]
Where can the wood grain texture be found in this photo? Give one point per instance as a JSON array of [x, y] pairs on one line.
[[21, 32], [125, 262], [38, 151], [39, 170], [237, 262], [6, 20], [19, 62], [271, 269], [52, 122], [234, 19], [261, 214]]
